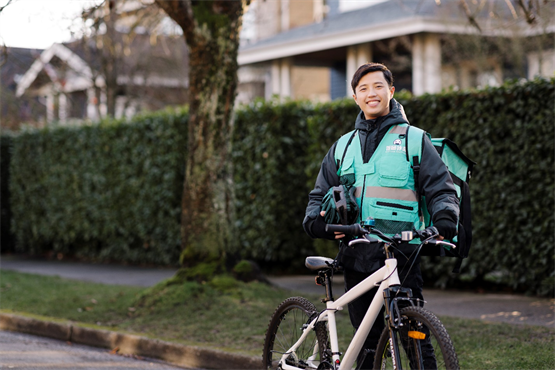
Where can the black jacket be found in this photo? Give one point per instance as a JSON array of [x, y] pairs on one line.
[[434, 181]]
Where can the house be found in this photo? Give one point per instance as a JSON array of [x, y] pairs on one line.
[[430, 45], [14, 62], [79, 80]]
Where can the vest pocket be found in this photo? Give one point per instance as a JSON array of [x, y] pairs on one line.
[[394, 210], [393, 175], [393, 216]]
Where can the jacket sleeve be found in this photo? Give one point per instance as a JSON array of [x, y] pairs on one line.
[[327, 177], [436, 185]]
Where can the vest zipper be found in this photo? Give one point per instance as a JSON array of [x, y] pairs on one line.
[[393, 205]]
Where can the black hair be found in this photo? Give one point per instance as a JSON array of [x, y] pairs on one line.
[[371, 67]]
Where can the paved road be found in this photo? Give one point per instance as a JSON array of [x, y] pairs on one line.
[[29, 352], [95, 272], [510, 308]]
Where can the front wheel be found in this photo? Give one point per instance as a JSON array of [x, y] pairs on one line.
[[422, 342], [286, 327]]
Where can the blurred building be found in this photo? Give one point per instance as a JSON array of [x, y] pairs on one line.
[[70, 78], [14, 62], [310, 49]]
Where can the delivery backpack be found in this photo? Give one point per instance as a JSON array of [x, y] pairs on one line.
[[460, 168]]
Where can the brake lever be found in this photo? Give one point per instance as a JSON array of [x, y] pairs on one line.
[[364, 240], [441, 242]]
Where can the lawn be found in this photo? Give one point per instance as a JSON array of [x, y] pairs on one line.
[[233, 316]]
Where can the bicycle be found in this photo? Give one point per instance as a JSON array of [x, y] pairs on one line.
[[297, 335]]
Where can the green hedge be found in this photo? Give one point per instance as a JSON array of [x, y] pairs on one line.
[[110, 191], [7, 238], [269, 152], [508, 131]]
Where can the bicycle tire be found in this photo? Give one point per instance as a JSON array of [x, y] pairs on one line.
[[285, 328], [420, 320]]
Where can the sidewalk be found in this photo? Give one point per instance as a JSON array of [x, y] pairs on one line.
[[511, 308]]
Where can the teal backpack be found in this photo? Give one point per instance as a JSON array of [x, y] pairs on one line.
[[460, 168]]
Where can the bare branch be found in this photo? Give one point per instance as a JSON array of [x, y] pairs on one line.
[[181, 11], [471, 17], [2, 7], [529, 10]]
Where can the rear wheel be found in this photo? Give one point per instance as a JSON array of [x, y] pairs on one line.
[[286, 327], [422, 341]]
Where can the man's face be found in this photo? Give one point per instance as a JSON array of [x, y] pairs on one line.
[[373, 94]]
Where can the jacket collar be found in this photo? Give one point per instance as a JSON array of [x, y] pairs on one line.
[[395, 116]]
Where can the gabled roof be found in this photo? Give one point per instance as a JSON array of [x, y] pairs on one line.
[[384, 20], [167, 62], [42, 63]]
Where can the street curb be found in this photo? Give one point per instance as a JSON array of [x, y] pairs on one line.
[[189, 356]]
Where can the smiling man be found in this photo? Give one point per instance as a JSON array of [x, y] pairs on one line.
[[372, 165]]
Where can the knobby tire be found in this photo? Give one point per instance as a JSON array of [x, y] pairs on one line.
[[418, 353], [285, 328]]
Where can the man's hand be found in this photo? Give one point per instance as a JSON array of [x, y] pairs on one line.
[[338, 235], [446, 227]]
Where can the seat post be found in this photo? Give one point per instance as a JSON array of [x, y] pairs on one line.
[[325, 279]]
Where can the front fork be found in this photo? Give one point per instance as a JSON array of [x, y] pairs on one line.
[[392, 297]]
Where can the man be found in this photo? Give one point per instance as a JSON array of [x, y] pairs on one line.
[[385, 189]]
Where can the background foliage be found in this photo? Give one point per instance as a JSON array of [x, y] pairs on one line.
[[110, 191], [269, 152], [113, 191], [509, 132], [6, 237]]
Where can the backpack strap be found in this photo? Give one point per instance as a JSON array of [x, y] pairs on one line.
[[342, 145], [413, 148]]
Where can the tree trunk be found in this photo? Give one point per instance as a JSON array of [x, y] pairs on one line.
[[211, 30]]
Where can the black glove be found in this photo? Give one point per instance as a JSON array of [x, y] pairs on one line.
[[319, 229], [446, 224]]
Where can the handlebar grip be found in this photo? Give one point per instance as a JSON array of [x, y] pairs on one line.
[[354, 229]]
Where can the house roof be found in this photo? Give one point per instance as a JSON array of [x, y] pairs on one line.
[[384, 20], [164, 63], [14, 63]]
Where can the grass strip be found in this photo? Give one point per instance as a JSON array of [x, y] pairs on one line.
[[230, 315]]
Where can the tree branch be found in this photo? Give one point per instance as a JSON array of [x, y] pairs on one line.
[[2, 7], [528, 10], [181, 11], [471, 17]]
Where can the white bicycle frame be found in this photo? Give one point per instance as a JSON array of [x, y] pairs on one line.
[[384, 277]]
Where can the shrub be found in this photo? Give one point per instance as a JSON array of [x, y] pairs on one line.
[[269, 152], [7, 238], [109, 191]]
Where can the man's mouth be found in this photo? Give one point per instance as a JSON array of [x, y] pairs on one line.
[[373, 103]]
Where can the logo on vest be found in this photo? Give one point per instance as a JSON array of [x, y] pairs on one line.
[[396, 147]]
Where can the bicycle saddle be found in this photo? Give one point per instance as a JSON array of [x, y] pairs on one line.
[[318, 263]]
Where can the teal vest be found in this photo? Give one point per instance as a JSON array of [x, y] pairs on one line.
[[385, 188]]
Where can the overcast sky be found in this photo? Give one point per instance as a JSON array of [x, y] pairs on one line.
[[38, 23]]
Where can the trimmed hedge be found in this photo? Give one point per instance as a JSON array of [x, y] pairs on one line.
[[7, 238], [110, 191], [269, 152], [508, 131]]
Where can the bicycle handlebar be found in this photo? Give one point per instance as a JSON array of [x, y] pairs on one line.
[[354, 229], [427, 235]]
